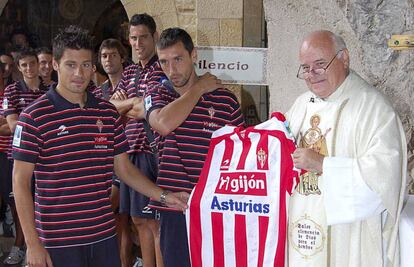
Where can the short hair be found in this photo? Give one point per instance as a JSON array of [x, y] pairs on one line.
[[71, 37], [43, 50], [172, 36], [144, 19], [112, 43], [27, 52]]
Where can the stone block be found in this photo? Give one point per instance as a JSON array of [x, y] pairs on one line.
[[189, 23], [166, 20], [134, 7], [161, 7], [231, 32], [208, 32], [220, 9], [185, 5]]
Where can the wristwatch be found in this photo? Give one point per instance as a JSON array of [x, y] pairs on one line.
[[163, 197]]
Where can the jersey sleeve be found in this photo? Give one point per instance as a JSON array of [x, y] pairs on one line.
[[237, 118], [120, 140], [157, 96], [10, 100], [27, 141]]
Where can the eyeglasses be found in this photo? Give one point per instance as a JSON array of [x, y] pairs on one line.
[[304, 70]]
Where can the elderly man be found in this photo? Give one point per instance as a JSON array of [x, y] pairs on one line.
[[345, 211]]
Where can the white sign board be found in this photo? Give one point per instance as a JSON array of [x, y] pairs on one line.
[[234, 65]]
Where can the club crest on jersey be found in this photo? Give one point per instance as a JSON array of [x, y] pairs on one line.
[[211, 112], [261, 157], [22, 102], [242, 183], [100, 125], [5, 104]]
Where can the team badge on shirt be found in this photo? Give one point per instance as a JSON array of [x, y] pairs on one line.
[[261, 157], [17, 138], [100, 125], [211, 112], [5, 104], [22, 102], [148, 102]]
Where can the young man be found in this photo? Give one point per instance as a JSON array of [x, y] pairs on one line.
[[44, 55], [72, 142], [186, 114], [8, 62], [111, 56], [17, 97], [128, 100]]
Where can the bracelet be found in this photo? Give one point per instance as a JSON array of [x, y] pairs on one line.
[[163, 197]]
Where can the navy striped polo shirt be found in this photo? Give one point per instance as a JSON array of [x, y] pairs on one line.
[[73, 151], [104, 91], [17, 96], [150, 75], [185, 149]]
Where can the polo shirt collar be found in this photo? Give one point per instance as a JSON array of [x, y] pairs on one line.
[[62, 103], [152, 60]]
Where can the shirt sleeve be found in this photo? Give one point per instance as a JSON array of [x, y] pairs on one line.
[[27, 141], [157, 96], [348, 198], [10, 100], [120, 140], [236, 116]]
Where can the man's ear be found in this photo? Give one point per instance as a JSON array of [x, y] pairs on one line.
[[345, 57], [55, 65], [194, 55], [156, 37]]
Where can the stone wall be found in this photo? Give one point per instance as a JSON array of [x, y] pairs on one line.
[[365, 25]]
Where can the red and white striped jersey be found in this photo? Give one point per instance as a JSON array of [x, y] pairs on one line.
[[237, 212]]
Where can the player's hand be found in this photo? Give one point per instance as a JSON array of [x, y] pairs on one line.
[[37, 256], [177, 200], [138, 110], [119, 95], [307, 159], [208, 83]]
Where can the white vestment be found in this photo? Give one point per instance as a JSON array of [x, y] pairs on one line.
[[353, 210]]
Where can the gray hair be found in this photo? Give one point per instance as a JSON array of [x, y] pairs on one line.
[[338, 41]]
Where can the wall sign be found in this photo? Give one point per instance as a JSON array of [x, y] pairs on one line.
[[234, 65]]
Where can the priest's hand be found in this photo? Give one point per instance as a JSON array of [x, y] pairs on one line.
[[307, 159]]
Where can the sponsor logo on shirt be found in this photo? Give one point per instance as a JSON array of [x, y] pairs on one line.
[[242, 183], [62, 130], [17, 138]]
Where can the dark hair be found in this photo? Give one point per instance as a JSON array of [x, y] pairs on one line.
[[71, 37], [27, 52], [43, 50], [171, 36], [112, 43], [144, 19]]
